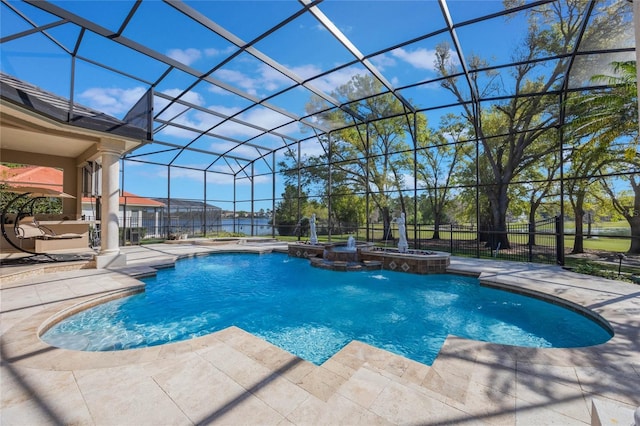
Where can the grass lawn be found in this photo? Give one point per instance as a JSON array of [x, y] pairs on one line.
[[616, 245]]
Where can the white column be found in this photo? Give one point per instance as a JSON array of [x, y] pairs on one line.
[[109, 229], [157, 223], [110, 202]]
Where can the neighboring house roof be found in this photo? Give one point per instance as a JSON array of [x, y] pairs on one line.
[[136, 200], [49, 177], [129, 199], [41, 177], [185, 204]]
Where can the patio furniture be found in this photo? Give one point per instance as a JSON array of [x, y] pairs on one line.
[[28, 227]]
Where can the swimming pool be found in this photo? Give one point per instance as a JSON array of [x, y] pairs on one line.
[[313, 313]]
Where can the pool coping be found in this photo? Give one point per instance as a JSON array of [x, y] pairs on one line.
[[449, 380]]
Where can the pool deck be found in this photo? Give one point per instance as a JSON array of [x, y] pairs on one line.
[[231, 377]]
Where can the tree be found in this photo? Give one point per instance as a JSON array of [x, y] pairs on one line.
[[287, 210], [507, 130], [585, 161], [347, 207], [438, 154], [542, 182], [608, 119], [366, 158], [628, 206], [28, 205], [610, 113], [347, 210]]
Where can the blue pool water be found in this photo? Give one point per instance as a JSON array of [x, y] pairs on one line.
[[313, 313]]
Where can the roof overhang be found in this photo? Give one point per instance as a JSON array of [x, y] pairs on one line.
[[25, 130]]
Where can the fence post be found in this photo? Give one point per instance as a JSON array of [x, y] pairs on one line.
[[451, 238], [531, 241], [559, 241]]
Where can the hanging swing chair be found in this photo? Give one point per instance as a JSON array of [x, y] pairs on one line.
[[27, 228]]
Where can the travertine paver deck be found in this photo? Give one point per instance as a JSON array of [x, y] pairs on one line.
[[232, 377]]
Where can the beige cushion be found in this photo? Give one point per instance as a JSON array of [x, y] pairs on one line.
[[28, 228]]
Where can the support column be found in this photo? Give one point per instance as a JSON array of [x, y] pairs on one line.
[[109, 256]]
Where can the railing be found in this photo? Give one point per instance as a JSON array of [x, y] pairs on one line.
[[540, 242], [152, 225]]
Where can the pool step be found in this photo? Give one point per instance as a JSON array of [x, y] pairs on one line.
[[605, 413], [244, 241]]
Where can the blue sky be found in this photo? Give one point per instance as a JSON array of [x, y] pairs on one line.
[[303, 46]]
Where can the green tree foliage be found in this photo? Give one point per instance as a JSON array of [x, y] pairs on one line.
[[604, 128], [586, 160], [363, 157], [348, 211], [610, 113], [539, 183], [287, 210], [438, 154], [508, 130], [28, 205]]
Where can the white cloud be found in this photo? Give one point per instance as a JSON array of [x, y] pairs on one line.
[[311, 148], [258, 116], [422, 58], [407, 181], [419, 58], [383, 61], [331, 82], [266, 142], [217, 52], [112, 101], [273, 79], [225, 179], [240, 151], [291, 128], [264, 117], [186, 56], [130, 163], [180, 173], [238, 79], [190, 55], [221, 178], [345, 29], [203, 121], [265, 78], [306, 71], [218, 90], [176, 108], [210, 119], [192, 97], [176, 172]]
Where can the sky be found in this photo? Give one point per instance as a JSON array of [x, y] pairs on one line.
[[303, 45]]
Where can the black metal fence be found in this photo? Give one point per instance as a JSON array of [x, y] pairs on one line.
[[540, 242]]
